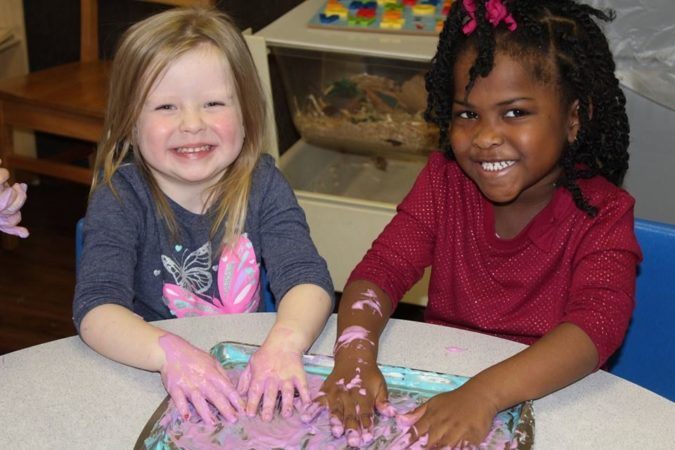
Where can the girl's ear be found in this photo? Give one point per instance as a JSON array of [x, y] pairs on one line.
[[573, 123]]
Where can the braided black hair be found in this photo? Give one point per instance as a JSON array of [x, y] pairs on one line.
[[566, 33]]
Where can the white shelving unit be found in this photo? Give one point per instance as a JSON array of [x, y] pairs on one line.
[[348, 197]]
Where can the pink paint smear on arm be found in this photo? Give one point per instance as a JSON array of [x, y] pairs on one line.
[[369, 299], [351, 334]]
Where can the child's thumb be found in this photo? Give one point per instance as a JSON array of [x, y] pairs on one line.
[[382, 404]]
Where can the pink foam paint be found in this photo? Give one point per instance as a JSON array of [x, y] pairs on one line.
[[336, 427], [401, 443], [421, 442], [353, 438], [370, 300], [387, 410], [367, 437], [451, 349], [311, 412], [324, 433], [351, 334], [354, 382]]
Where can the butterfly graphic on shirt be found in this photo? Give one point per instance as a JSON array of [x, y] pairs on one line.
[[194, 271], [238, 282]]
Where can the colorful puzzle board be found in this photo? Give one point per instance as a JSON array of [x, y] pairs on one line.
[[166, 429], [422, 17]]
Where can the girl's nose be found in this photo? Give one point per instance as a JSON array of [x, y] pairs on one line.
[[191, 121], [487, 136]]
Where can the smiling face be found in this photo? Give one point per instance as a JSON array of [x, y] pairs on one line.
[[190, 127], [509, 133]]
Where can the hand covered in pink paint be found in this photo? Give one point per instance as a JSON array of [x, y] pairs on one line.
[[12, 199], [459, 419], [190, 374], [275, 368], [353, 391]]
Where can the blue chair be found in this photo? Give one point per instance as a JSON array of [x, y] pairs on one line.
[[269, 305], [647, 356]]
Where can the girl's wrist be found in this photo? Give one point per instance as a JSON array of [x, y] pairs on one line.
[[287, 337], [485, 390], [355, 353]]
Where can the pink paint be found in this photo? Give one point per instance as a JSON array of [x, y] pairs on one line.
[[351, 334], [191, 375], [323, 433], [362, 391], [353, 438], [311, 412], [367, 437], [387, 409], [271, 372], [421, 442], [451, 349], [408, 419], [12, 199], [401, 443], [354, 382], [370, 300], [336, 427]]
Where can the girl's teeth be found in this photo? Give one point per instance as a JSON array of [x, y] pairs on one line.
[[496, 166], [203, 148]]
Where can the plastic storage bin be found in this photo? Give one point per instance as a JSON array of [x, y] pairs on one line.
[[358, 104]]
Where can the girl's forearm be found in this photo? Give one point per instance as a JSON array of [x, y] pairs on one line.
[[119, 334], [301, 316], [363, 304], [561, 357]]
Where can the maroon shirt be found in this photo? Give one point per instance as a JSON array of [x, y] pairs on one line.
[[564, 266]]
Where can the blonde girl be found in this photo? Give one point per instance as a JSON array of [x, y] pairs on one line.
[[184, 213]]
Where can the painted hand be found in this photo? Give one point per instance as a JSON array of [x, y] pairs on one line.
[[353, 391], [12, 199], [275, 368], [459, 419], [190, 374]]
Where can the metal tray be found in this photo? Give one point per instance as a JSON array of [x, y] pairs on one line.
[[512, 428]]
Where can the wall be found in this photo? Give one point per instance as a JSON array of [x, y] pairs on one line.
[[14, 61], [642, 38], [651, 174]]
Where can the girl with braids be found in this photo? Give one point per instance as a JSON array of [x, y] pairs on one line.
[[520, 217]]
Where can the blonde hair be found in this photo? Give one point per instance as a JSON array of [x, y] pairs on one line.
[[143, 54]]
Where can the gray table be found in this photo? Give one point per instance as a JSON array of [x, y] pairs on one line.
[[62, 395]]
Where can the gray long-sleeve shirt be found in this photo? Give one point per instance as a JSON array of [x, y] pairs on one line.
[[128, 255]]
